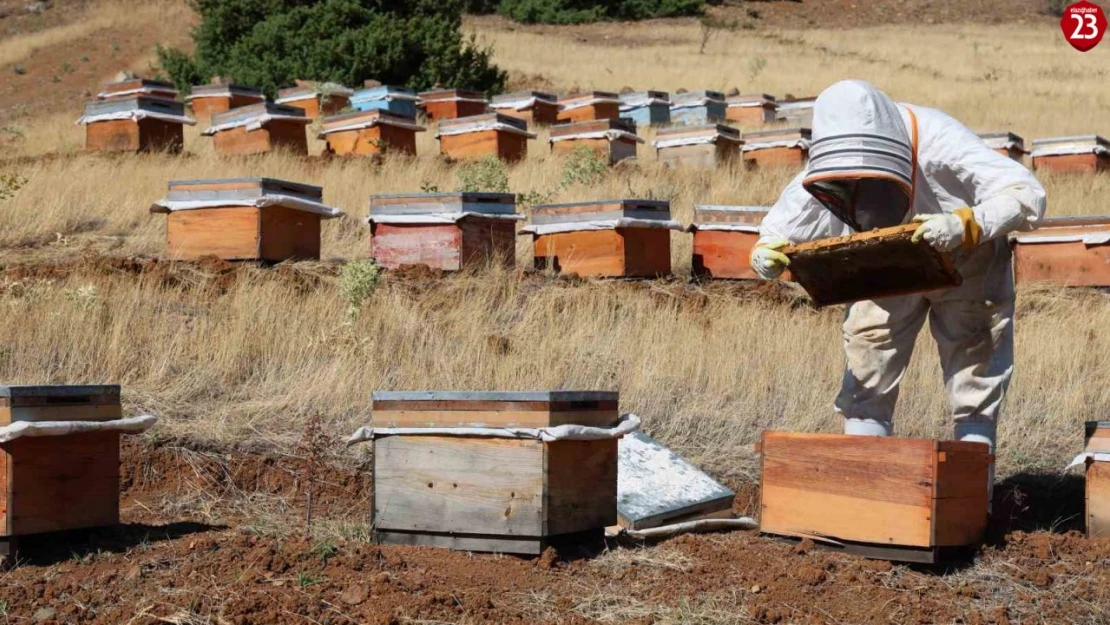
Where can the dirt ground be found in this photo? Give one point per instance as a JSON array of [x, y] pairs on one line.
[[216, 536]]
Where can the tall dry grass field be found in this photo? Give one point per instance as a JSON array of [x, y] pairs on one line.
[[249, 357]]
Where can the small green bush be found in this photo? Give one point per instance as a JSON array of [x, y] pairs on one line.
[[488, 175], [357, 282]]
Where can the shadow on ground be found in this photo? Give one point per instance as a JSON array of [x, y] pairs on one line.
[[56, 547], [1037, 502]]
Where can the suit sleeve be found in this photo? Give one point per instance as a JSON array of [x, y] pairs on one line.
[[798, 218]]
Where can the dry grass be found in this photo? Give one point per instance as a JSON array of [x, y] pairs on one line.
[[707, 370]]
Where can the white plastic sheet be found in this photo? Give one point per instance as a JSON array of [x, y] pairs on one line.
[[1071, 149], [483, 126], [754, 229], [791, 143], [436, 218], [129, 425], [704, 140], [1091, 238], [570, 106], [1088, 455], [135, 115], [103, 95], [370, 124], [603, 224], [634, 103], [628, 423], [254, 123], [288, 201], [611, 135], [516, 105]]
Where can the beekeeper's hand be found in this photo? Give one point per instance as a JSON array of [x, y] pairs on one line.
[[767, 261], [946, 232]]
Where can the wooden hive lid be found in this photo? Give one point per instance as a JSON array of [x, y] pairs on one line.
[[133, 85], [622, 124], [239, 189], [250, 112], [454, 409], [432, 203], [59, 394], [216, 90], [573, 212], [516, 96], [1092, 140], [717, 213], [588, 95], [752, 99], [369, 117], [695, 132], [152, 104], [481, 122], [451, 94], [696, 97]]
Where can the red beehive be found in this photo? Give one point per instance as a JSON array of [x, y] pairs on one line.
[[452, 103], [1066, 251], [723, 240], [1086, 154], [788, 147]]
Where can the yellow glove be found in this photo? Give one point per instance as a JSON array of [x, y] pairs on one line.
[[767, 262], [946, 232]]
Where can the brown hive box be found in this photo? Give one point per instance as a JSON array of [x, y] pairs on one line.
[[611, 139], [1085, 154], [702, 147], [452, 103], [489, 134], [369, 132], [316, 99], [892, 498], [505, 495], [134, 124], [751, 111], [1066, 251], [534, 107], [869, 265], [54, 483], [1098, 479], [1006, 144], [445, 231], [243, 219], [796, 111], [723, 240], [640, 249], [137, 86], [787, 147], [260, 128], [208, 100], [589, 106]]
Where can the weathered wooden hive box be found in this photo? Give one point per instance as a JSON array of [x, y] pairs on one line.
[[396, 100], [260, 128], [208, 100], [533, 107], [1066, 251], [646, 108], [258, 219], [1086, 154], [445, 231], [453, 103], [489, 134], [892, 498], [370, 132], [796, 111], [698, 108], [703, 147], [1097, 463], [53, 483], [589, 106], [751, 111], [492, 492], [606, 239], [316, 100], [612, 139], [723, 240], [137, 87], [136, 123], [869, 265], [1006, 144], [787, 147]]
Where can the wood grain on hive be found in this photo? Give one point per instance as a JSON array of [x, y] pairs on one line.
[[155, 124], [898, 498], [611, 139], [1083, 154], [209, 100], [870, 265], [370, 132], [724, 237], [787, 147], [444, 231], [454, 490], [452, 103], [1097, 499], [588, 106], [489, 134], [260, 128], [701, 147], [533, 107], [1065, 251], [751, 111]]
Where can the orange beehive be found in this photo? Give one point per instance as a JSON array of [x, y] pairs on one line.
[[260, 128], [134, 123], [209, 100], [702, 147], [370, 132], [589, 106], [607, 239], [489, 134], [905, 499], [316, 99], [1006, 144], [534, 107], [751, 111], [788, 147], [445, 231], [452, 103], [723, 240], [1097, 462], [1086, 154], [612, 139], [1066, 251], [257, 219], [131, 87]]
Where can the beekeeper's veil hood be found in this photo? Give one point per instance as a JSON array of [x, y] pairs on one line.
[[862, 159]]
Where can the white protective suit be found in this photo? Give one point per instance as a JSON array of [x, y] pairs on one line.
[[859, 131]]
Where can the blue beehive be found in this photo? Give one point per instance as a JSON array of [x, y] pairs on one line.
[[396, 100], [698, 107], [646, 108]]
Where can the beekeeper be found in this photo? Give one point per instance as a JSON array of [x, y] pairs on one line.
[[873, 164]]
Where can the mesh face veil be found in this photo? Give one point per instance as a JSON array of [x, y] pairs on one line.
[[863, 203]]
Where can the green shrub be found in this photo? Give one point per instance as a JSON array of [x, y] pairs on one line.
[[488, 175], [357, 282], [582, 11], [270, 43]]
